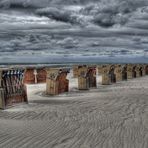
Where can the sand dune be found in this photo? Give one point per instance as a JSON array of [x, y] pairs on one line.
[[113, 116]]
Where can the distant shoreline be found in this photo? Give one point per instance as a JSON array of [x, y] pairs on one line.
[[69, 61]]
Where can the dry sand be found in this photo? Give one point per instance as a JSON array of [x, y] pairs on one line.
[[114, 116]]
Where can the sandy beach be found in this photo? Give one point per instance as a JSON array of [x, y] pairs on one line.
[[114, 116], [53, 41]]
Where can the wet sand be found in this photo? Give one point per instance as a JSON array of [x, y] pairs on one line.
[[114, 116]]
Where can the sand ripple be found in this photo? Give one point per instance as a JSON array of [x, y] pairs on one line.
[[108, 117]]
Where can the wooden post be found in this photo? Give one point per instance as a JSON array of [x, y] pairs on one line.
[[56, 81], [35, 75], [118, 73], [83, 80]]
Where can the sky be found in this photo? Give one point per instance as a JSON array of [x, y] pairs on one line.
[[64, 31]]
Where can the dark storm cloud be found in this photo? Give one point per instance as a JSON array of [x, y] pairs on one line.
[[113, 12], [108, 20], [104, 13], [59, 15], [109, 14], [74, 28], [42, 3]]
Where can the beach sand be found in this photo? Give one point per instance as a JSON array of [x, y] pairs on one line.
[[114, 116]]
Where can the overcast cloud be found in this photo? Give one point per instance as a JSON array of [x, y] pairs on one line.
[[73, 30]]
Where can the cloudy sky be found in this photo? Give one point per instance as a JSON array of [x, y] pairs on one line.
[[56, 31]]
